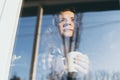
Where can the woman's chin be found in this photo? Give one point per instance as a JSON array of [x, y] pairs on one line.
[[68, 34]]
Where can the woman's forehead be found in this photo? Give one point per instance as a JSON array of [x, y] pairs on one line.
[[66, 14]]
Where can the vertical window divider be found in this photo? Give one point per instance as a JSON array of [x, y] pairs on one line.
[[36, 44]]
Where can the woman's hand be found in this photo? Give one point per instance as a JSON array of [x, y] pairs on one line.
[[78, 62]]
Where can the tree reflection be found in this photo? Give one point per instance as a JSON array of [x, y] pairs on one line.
[[15, 78]]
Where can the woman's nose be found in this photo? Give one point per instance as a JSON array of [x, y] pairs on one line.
[[68, 21], [67, 24]]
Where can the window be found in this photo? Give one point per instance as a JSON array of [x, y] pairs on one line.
[[98, 38], [21, 60]]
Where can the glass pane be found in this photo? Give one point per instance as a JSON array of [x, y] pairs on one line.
[[98, 38], [21, 59]]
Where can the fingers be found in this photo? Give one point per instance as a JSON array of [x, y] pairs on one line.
[[81, 69], [81, 62], [81, 58]]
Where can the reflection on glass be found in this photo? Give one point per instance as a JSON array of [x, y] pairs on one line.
[[99, 40], [21, 59]]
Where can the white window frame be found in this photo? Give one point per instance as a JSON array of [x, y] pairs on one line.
[[9, 16]]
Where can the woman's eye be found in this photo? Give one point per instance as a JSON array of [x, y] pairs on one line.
[[62, 20], [72, 19]]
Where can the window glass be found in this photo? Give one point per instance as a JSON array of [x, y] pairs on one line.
[[98, 39], [21, 59]]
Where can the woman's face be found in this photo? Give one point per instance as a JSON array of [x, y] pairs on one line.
[[66, 24]]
